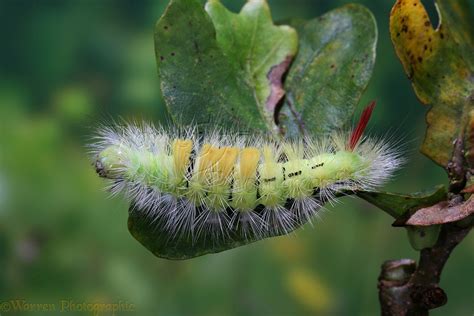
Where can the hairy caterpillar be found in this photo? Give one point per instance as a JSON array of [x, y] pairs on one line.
[[215, 185]]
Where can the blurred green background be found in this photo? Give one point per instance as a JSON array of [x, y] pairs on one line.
[[65, 66]]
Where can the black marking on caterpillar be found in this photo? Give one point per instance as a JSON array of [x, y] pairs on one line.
[[257, 184], [294, 174]]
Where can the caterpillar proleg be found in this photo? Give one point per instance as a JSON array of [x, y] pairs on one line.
[[219, 183]]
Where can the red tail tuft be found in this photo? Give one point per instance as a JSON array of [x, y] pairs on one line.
[[359, 130]]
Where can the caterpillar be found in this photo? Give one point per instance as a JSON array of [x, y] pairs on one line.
[[220, 183]]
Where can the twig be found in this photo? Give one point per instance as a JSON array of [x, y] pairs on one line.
[[405, 289]]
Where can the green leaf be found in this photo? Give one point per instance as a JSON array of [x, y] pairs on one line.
[[262, 50], [152, 235], [440, 64], [397, 205], [157, 241], [206, 78], [332, 69]]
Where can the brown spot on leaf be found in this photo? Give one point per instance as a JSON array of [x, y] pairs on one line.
[[439, 213], [276, 86]]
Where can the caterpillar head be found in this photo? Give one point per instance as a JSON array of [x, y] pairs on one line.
[[110, 162]]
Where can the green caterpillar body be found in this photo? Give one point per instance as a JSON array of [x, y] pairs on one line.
[[270, 184], [222, 183]]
